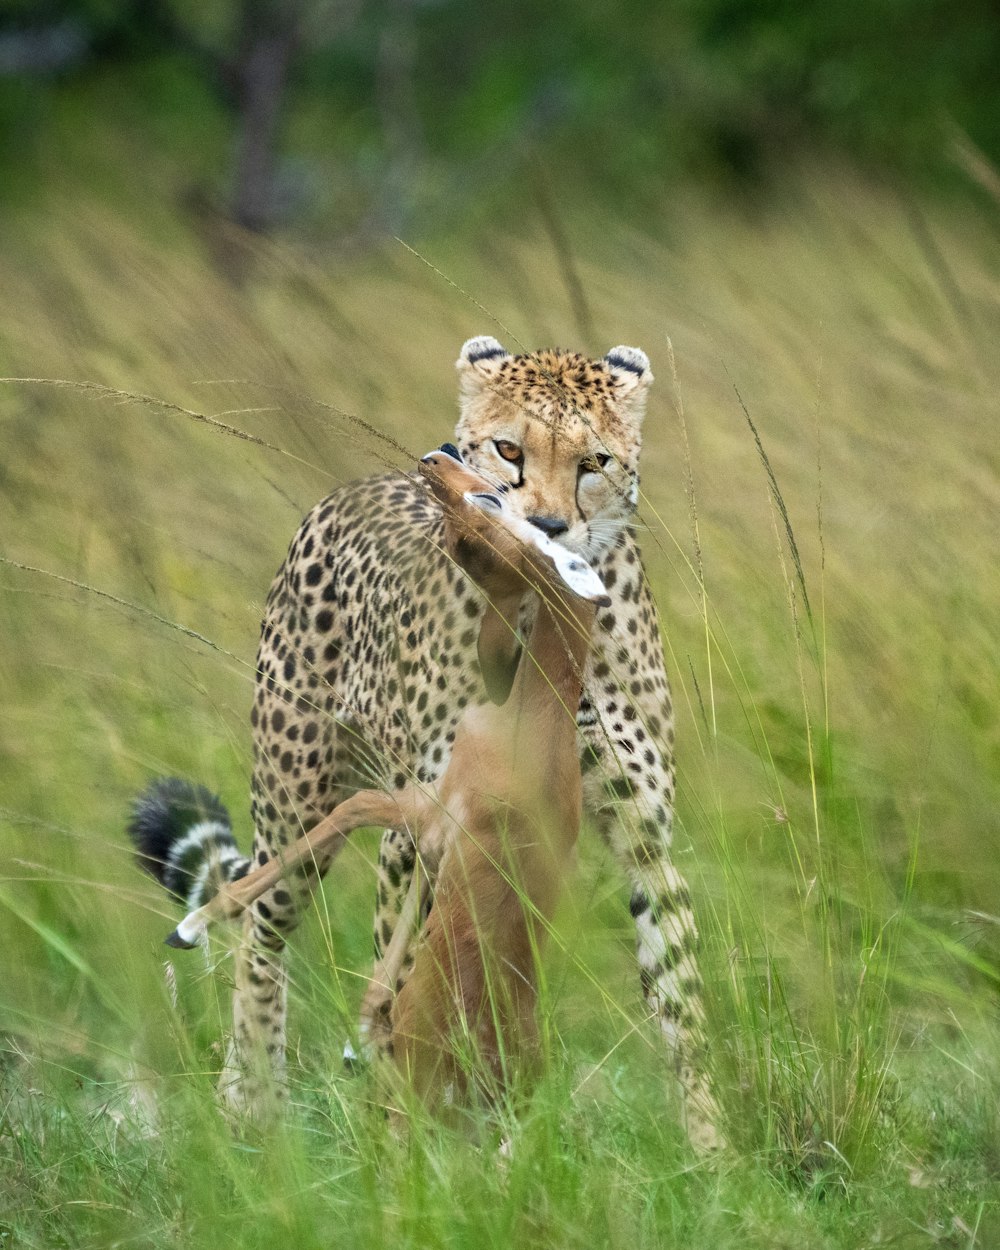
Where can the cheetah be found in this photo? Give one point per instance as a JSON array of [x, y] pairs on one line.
[[368, 657]]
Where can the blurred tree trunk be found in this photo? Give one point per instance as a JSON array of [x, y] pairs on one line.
[[43, 49], [396, 97], [269, 36]]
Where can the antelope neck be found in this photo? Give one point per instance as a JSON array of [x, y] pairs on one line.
[[556, 650]]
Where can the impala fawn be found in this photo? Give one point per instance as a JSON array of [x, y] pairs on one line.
[[498, 829]]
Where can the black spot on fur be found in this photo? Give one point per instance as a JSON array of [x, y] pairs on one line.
[[620, 787], [672, 957], [589, 759]]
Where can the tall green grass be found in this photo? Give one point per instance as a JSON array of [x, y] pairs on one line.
[[821, 491]]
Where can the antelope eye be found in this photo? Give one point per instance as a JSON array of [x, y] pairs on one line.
[[509, 451], [594, 463]]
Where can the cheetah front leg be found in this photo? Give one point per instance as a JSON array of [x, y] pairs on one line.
[[633, 814], [626, 722]]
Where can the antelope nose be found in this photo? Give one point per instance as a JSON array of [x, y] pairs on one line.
[[550, 525]]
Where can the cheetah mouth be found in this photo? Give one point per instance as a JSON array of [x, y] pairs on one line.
[[594, 539]]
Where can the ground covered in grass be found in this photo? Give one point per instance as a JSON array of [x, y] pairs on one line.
[[821, 482]]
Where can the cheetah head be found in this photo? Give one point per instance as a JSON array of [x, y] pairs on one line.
[[560, 433]]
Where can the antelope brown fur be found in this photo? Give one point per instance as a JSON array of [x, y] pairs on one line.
[[499, 833]]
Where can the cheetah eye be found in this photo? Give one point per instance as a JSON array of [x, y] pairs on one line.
[[595, 462], [509, 451]]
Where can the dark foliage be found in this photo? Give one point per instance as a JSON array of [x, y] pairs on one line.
[[638, 92]]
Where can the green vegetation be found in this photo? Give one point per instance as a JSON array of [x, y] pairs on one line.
[[826, 372], [382, 115]]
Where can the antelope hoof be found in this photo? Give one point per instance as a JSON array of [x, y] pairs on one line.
[[188, 933]]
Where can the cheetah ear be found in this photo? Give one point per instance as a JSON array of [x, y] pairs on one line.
[[479, 360], [632, 375]]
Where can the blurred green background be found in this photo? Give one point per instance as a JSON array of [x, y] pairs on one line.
[[240, 247], [347, 116]]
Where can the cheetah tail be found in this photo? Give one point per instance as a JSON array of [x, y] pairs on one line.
[[183, 837]]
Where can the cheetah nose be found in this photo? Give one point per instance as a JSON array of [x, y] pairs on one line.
[[550, 525], [450, 449]]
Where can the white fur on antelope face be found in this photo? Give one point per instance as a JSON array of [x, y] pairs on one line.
[[572, 568]]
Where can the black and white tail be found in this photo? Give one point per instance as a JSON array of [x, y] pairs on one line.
[[184, 838]]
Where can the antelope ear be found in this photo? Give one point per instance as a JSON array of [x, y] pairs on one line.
[[479, 360], [499, 653], [578, 575], [632, 375]]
